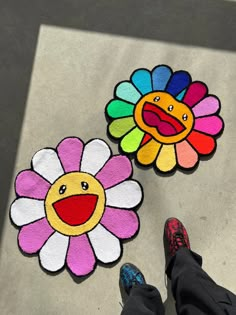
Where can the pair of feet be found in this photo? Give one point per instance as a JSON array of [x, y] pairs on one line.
[[175, 237]]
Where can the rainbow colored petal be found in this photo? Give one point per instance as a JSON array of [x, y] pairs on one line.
[[178, 82], [127, 92], [118, 108], [166, 159], [181, 95], [119, 127], [211, 125], [187, 157], [147, 154], [208, 106], [160, 77], [202, 143], [195, 93], [141, 79], [131, 142]]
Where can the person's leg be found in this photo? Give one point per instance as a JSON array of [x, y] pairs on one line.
[[194, 291], [143, 299]]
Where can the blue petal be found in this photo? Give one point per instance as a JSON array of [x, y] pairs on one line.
[[178, 82], [141, 78], [127, 92], [160, 77], [180, 96]]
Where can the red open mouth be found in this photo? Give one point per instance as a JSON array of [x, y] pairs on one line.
[[77, 209], [165, 124]]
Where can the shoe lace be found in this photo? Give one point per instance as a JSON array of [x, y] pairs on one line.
[[179, 240], [137, 279]]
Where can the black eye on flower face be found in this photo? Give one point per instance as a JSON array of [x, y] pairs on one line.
[[84, 185], [62, 189], [156, 99], [170, 108], [185, 117]]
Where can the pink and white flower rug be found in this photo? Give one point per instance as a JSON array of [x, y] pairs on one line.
[[75, 206]]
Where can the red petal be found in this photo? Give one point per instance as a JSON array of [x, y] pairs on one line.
[[195, 93], [202, 143]]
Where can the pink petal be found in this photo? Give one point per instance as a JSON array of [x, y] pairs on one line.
[[33, 236], [195, 92], [187, 157], [80, 257], [70, 151], [207, 106], [211, 125], [122, 223], [116, 170], [30, 184]]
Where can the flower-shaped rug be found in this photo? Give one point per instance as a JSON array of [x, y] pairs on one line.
[[75, 205], [164, 118]]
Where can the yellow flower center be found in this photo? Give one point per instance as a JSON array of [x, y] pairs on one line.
[[75, 203]]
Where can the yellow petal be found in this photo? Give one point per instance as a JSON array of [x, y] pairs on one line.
[[166, 159], [148, 153]]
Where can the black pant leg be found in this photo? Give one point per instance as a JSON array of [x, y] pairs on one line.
[[194, 291], [144, 300]]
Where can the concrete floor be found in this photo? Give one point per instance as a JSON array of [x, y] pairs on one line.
[[73, 76]]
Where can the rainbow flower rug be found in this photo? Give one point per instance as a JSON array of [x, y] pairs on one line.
[[75, 206], [164, 118]]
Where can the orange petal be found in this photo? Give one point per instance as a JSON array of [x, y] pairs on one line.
[[187, 157]]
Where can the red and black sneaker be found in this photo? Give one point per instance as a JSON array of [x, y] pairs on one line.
[[175, 237]]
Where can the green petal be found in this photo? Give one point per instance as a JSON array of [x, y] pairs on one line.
[[117, 108], [120, 127], [130, 143]]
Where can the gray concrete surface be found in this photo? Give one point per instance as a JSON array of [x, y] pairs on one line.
[[54, 68]]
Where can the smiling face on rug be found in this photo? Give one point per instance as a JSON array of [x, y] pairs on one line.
[[163, 117], [75, 203]]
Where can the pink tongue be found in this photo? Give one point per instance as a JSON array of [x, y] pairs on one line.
[[164, 128]]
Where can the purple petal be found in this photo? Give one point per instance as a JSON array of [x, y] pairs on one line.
[[70, 151], [33, 236], [30, 184], [207, 106], [122, 223], [116, 170], [80, 257]]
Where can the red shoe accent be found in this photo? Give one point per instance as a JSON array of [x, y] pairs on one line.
[[175, 236]]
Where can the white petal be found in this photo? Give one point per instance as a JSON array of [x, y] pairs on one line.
[[53, 253], [106, 246], [47, 164], [125, 195], [26, 210], [95, 155]]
